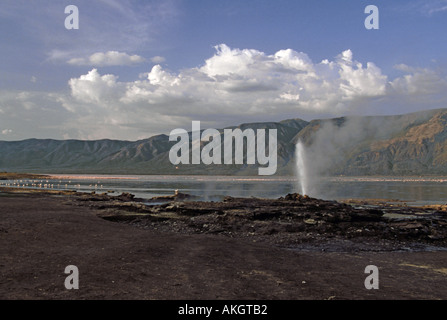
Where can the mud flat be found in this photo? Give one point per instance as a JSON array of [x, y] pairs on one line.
[[292, 248]]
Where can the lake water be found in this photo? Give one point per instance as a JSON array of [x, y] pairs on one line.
[[413, 190]]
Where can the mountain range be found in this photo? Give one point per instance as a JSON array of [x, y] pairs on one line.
[[409, 144]]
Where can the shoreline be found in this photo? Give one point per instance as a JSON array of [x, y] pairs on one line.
[[87, 183], [18, 176], [373, 202], [255, 177]]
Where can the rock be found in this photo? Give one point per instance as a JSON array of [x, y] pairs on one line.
[[291, 221], [125, 196], [177, 196], [295, 197], [310, 221], [367, 215]]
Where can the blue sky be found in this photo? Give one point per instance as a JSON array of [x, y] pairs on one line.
[[138, 68]]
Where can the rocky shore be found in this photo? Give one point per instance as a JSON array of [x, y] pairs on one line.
[[294, 221], [178, 248]]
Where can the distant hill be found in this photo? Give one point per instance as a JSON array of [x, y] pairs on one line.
[[411, 144]]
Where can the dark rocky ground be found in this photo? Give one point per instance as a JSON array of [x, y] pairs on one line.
[[176, 248], [293, 221]]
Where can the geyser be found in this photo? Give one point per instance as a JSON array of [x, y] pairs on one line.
[[303, 178]]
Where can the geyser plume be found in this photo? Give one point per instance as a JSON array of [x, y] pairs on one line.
[[323, 149], [301, 168]]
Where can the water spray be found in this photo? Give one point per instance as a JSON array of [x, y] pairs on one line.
[[301, 168]]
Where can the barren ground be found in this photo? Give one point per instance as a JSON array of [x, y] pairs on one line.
[[231, 250]]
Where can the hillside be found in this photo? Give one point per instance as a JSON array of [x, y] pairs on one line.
[[411, 144]]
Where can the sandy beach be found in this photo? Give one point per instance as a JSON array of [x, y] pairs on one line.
[[42, 233]]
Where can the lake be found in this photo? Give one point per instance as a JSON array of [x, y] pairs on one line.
[[413, 190]]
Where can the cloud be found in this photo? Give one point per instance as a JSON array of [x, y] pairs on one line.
[[427, 8], [418, 82], [6, 131], [97, 89], [440, 9], [105, 25], [251, 82], [33, 114], [435, 7], [232, 86], [250, 85], [158, 59], [110, 58]]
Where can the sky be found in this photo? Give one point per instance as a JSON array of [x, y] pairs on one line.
[[137, 68]]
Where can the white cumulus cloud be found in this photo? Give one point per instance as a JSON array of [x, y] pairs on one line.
[[245, 85], [418, 81], [230, 87], [94, 88]]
